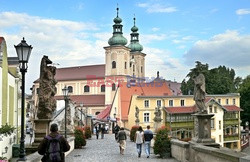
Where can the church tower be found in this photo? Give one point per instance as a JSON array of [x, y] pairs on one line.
[[137, 64], [117, 59]]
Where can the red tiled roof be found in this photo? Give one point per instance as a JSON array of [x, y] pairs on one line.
[[87, 100], [232, 108], [181, 110], [80, 73], [104, 114], [146, 89]]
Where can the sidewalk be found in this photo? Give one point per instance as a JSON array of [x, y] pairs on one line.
[[107, 150]]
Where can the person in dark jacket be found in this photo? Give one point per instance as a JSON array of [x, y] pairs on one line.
[[42, 148], [121, 139], [148, 136], [116, 130]]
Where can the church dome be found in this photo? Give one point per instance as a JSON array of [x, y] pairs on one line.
[[135, 47], [117, 20], [117, 40]]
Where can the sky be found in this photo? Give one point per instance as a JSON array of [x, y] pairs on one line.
[[174, 33]]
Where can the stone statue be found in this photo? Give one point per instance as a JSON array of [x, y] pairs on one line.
[[137, 115], [157, 113], [199, 92], [47, 89]]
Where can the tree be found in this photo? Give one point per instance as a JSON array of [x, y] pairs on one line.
[[244, 90], [219, 80]]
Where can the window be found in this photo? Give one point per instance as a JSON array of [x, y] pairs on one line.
[[133, 67], [37, 91], [130, 64], [113, 87], [210, 109], [219, 138], [125, 65], [182, 102], [234, 101], [113, 65], [70, 88], [212, 123], [227, 101], [102, 88], [96, 113], [141, 69], [215, 109], [219, 124], [86, 88], [146, 117], [219, 100], [171, 103], [146, 103], [158, 103]]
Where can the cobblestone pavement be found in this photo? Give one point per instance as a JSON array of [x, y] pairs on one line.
[[107, 150]]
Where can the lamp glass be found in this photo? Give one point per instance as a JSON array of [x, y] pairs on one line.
[[23, 51], [65, 91]]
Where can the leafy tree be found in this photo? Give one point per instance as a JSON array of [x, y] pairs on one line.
[[219, 80], [244, 90]]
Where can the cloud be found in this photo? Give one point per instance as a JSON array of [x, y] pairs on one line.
[[230, 49], [243, 11], [147, 38], [155, 29], [65, 42], [157, 8]]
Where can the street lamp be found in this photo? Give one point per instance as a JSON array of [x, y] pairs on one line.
[[81, 105], [65, 91], [23, 51]]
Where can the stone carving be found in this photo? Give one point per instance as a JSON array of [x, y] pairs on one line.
[[157, 113], [200, 93], [137, 115], [206, 131], [47, 89]]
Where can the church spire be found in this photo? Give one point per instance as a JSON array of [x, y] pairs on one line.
[[134, 42], [117, 38]]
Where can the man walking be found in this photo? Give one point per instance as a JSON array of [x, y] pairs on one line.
[[53, 146], [148, 136], [121, 139]]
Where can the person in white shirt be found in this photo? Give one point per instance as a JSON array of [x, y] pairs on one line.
[[139, 139]]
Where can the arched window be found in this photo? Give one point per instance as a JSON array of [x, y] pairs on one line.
[[113, 65], [86, 88], [70, 88], [141, 69], [125, 65], [102, 88], [113, 87], [133, 67], [97, 113]]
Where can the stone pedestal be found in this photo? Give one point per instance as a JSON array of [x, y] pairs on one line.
[[137, 121], [202, 130], [41, 130]]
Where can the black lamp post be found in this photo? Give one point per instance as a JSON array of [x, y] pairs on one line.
[[65, 91], [86, 116], [81, 105], [23, 51]]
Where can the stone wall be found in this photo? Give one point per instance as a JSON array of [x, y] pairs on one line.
[[193, 152]]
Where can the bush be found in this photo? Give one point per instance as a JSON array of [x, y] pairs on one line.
[[79, 138], [87, 132], [133, 131], [162, 144], [6, 129]]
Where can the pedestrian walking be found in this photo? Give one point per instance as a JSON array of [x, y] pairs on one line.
[[116, 130], [102, 131], [53, 146], [96, 132], [139, 140], [148, 136], [121, 139]]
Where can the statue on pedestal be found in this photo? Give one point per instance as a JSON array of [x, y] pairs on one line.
[[137, 115], [47, 89], [157, 113], [199, 92]]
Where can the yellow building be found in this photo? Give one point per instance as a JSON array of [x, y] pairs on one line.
[[176, 116]]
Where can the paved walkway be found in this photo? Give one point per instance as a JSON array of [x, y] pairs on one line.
[[107, 150]]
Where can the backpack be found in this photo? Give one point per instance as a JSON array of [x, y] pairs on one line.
[[54, 149]]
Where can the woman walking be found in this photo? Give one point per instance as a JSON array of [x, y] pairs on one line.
[[139, 139], [121, 139]]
